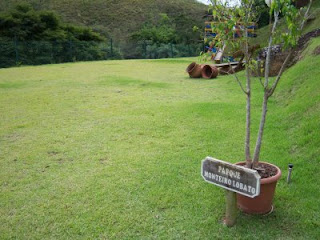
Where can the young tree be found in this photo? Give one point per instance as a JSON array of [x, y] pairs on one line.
[[239, 18]]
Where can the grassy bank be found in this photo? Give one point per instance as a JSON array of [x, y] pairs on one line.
[[312, 24], [112, 150]]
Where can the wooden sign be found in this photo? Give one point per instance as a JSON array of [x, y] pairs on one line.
[[232, 177]]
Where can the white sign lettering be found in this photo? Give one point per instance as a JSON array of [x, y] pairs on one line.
[[231, 177]]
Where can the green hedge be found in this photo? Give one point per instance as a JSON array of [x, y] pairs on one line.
[[14, 52]]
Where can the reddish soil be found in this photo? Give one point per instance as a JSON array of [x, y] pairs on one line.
[[305, 38], [279, 56], [266, 170], [302, 43]]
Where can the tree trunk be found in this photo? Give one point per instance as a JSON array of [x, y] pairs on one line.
[[248, 108], [248, 123], [261, 128]]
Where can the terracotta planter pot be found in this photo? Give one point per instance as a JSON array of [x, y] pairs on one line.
[[194, 70], [209, 71], [261, 204]]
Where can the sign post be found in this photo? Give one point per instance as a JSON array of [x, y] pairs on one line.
[[233, 178], [231, 208]]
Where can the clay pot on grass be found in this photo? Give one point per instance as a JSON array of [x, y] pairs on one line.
[[209, 71], [194, 70], [261, 204]]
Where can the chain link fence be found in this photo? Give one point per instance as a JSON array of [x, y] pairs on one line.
[[15, 53]]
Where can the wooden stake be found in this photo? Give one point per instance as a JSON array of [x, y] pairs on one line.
[[231, 208]]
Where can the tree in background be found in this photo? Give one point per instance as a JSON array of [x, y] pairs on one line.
[[263, 10], [166, 39], [163, 32]]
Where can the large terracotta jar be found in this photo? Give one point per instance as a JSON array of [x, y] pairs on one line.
[[194, 70], [209, 71], [261, 204]]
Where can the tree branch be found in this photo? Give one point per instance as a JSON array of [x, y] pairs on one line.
[[305, 16], [267, 64], [259, 72], [285, 63], [240, 84], [236, 77]]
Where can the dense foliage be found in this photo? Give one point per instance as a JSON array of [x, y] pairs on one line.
[[263, 16], [163, 40], [163, 22], [29, 37], [163, 32], [25, 23]]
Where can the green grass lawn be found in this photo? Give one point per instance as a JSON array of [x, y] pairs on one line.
[[112, 150]]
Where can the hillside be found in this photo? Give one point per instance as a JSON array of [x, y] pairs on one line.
[[312, 24], [119, 19]]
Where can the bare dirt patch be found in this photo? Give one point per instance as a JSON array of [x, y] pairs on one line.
[[316, 51]]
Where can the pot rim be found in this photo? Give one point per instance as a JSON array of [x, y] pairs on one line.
[[191, 67], [269, 179], [203, 69]]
